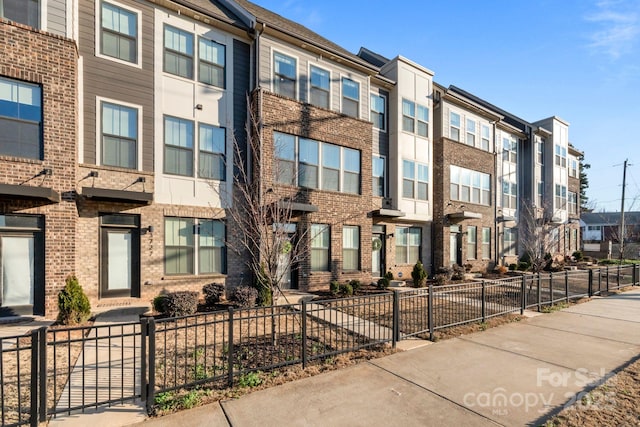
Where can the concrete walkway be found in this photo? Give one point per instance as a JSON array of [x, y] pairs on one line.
[[516, 374]]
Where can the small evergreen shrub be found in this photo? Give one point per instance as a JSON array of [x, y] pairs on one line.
[[446, 271], [385, 281], [419, 275], [577, 255], [160, 303], [355, 285], [513, 267], [458, 272], [334, 287], [73, 304], [245, 296], [213, 292], [523, 266], [346, 289], [182, 303], [441, 279]]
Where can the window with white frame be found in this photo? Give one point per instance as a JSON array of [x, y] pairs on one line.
[[486, 243], [573, 168], [178, 146], [561, 156], [470, 186], [407, 245], [509, 195], [471, 132], [472, 241], [510, 149], [560, 197], [320, 243], [415, 118], [119, 136], [378, 172], [573, 202], [540, 195], [510, 240], [212, 148], [25, 12], [313, 164], [415, 180], [540, 152], [319, 81], [350, 248], [379, 111], [20, 119], [211, 62], [284, 75], [118, 33], [350, 97], [194, 245], [485, 142], [178, 52], [454, 126]]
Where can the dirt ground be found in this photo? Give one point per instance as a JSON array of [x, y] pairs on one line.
[[613, 403]]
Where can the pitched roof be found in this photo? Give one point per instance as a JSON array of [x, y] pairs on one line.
[[281, 23], [609, 218], [213, 9]]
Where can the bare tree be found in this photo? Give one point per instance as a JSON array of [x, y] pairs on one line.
[[538, 234]]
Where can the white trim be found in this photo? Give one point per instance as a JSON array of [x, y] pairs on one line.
[[309, 65], [273, 70], [386, 110], [99, 101], [385, 176], [98, 33], [44, 10], [81, 110], [360, 86]]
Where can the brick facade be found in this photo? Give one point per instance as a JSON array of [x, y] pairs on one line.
[[48, 60]]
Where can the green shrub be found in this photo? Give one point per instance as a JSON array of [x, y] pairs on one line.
[[513, 267], [245, 296], [73, 304], [458, 272], [355, 285], [213, 292], [577, 255], [385, 281], [346, 289], [160, 303], [334, 287], [523, 266], [181, 303], [419, 275]]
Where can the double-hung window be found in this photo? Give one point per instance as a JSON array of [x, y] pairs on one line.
[[471, 132], [573, 202], [20, 119], [330, 167], [319, 87], [191, 241], [415, 180], [284, 75], [510, 241], [472, 240], [211, 144], [320, 242], [486, 242], [485, 138], [509, 194], [379, 112], [350, 97], [560, 197], [407, 245], [178, 146], [408, 116], [454, 126], [285, 153], [178, 52], [119, 136], [211, 62], [561, 156], [351, 171], [308, 162], [509, 150], [573, 168], [350, 248], [378, 169], [540, 195], [470, 186], [23, 11], [540, 152], [423, 121], [119, 33]]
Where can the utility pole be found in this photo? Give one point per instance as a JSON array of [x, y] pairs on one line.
[[622, 232]]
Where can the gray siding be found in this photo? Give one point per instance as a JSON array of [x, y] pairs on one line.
[[56, 17], [116, 81], [241, 76], [380, 138]]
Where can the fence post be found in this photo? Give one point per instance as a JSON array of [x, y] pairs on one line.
[[539, 294], [144, 331], [430, 312], [484, 303], [230, 355], [633, 274], [551, 299], [304, 334], [566, 285], [590, 291], [395, 332], [618, 277], [607, 270], [523, 294], [43, 374], [151, 350], [35, 366]]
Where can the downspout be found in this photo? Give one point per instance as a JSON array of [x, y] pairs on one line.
[[495, 202]]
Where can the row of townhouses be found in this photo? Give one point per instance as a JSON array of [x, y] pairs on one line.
[[118, 122]]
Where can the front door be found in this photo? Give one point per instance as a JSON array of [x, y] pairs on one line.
[[455, 246], [21, 265], [377, 255], [120, 257]]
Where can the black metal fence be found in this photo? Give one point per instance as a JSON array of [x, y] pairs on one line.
[[60, 371]]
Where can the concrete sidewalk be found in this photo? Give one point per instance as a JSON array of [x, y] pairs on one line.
[[516, 374]]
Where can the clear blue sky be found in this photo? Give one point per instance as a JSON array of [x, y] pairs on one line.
[[575, 59]]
